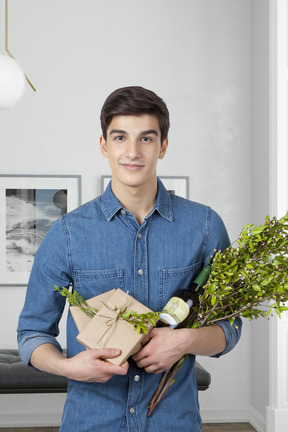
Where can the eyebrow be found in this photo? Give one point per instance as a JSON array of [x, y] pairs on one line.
[[146, 132]]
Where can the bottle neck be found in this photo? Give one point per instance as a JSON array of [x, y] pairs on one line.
[[203, 276]]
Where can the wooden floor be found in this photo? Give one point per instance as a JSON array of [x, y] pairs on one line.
[[227, 427], [215, 427]]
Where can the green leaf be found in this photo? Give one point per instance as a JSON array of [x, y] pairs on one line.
[[128, 314]]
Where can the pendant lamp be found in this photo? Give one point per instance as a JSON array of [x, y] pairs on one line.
[[12, 82], [12, 78]]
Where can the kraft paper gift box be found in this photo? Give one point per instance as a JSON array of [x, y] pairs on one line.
[[106, 329]]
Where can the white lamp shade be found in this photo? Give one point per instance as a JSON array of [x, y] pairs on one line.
[[12, 82]]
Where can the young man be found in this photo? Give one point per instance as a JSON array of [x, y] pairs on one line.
[[136, 237]]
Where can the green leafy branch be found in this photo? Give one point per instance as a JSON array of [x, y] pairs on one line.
[[249, 280], [140, 322], [75, 299]]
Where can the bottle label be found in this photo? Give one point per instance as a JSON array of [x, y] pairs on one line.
[[175, 311]]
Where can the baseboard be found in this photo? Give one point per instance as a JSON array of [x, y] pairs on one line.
[[235, 416], [257, 420], [225, 416], [28, 420]]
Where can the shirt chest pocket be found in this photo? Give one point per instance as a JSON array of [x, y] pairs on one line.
[[90, 283], [172, 280]]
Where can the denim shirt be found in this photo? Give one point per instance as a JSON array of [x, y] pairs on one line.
[[98, 247]]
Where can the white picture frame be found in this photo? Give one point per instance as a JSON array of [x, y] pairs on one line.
[[176, 185], [29, 204]]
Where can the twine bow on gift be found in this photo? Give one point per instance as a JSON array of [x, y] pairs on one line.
[[111, 321], [117, 310]]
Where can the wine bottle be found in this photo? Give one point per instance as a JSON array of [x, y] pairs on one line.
[[181, 308]]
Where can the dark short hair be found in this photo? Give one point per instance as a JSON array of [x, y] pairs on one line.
[[134, 100]]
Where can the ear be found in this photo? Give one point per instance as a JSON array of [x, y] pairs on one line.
[[103, 147], [163, 149]]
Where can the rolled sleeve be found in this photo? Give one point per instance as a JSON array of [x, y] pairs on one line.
[[232, 333], [219, 241], [28, 342], [39, 319]]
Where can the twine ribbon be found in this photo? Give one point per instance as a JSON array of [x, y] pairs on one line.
[[111, 321]]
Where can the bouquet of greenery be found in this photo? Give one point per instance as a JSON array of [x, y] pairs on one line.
[[248, 280]]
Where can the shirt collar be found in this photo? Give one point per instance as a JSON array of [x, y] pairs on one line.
[[163, 205]]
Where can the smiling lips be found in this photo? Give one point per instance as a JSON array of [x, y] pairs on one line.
[[132, 166]]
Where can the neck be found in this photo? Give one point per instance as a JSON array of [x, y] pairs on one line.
[[138, 200]]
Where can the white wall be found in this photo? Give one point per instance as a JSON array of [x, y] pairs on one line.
[[196, 54]]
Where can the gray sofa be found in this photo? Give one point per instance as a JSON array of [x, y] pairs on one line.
[[16, 377]]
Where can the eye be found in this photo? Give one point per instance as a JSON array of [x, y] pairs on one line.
[[146, 139], [119, 138]]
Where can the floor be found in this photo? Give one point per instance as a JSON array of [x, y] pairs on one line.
[[226, 427], [215, 427]]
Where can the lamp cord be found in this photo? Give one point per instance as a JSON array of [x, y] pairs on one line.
[[6, 43]]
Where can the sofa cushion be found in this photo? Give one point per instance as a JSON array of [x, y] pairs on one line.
[[16, 377]]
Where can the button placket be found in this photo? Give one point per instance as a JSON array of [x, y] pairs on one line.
[[140, 271], [135, 393], [140, 264]]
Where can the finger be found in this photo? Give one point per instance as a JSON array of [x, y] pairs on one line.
[[125, 367], [143, 353], [136, 356], [144, 362], [145, 340], [155, 371], [106, 353], [112, 368]]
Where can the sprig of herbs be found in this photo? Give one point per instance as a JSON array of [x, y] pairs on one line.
[[75, 299], [140, 322], [249, 280]]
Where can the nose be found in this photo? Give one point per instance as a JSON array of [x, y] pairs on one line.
[[132, 148]]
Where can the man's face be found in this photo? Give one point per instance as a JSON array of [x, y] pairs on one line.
[[133, 147]]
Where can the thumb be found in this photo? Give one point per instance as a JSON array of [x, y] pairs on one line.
[[108, 353]]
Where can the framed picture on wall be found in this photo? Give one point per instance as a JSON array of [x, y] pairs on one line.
[[174, 185], [28, 207]]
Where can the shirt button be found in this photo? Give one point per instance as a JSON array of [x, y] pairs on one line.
[[136, 378], [139, 236], [123, 212], [140, 272], [132, 410]]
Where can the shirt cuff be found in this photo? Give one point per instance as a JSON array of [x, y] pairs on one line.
[[232, 333], [27, 344]]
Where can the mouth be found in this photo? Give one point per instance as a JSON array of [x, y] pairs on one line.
[[132, 166]]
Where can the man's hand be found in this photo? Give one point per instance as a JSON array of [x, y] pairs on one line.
[[87, 366], [90, 366], [165, 346]]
